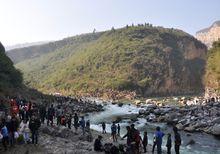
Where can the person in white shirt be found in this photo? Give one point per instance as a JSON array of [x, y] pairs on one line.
[[24, 128]]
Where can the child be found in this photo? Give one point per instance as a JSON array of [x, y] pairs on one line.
[[169, 144], [145, 142]]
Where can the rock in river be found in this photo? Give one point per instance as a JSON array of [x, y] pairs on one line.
[[216, 130]]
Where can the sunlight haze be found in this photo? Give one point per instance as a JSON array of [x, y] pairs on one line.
[[43, 20]]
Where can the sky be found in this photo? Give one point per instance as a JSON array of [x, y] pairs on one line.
[[23, 21]]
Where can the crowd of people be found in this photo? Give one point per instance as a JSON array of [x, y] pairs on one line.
[[17, 126], [135, 143], [25, 118]]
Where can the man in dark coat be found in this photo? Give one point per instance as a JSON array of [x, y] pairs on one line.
[[177, 140], [42, 113], [50, 114], [34, 126], [98, 144], [12, 126]]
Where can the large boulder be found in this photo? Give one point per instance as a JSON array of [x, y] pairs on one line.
[[120, 104], [157, 111], [179, 126], [151, 106], [171, 118], [191, 142], [216, 120], [190, 128], [148, 101], [216, 130], [142, 111], [47, 130]]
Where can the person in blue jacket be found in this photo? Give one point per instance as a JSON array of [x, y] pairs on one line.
[[159, 139], [5, 135]]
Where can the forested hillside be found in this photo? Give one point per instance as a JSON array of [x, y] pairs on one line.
[[213, 67], [144, 59], [10, 78]]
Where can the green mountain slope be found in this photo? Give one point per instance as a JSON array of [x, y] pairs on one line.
[[145, 59], [21, 54], [213, 67], [10, 78]]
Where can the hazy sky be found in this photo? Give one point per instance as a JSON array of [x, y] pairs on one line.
[[39, 20]]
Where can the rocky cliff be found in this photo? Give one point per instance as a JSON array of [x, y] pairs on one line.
[[209, 35]]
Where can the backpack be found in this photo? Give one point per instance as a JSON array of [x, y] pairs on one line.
[[4, 131]]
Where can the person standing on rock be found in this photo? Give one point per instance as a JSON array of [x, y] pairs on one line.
[[24, 128], [159, 138], [154, 143], [114, 132], [103, 128], [69, 121], [169, 144], [83, 124], [50, 114], [88, 126], [145, 142], [177, 140], [5, 135], [12, 127], [128, 135], [43, 113], [135, 139], [76, 122], [34, 126], [118, 128], [59, 115]]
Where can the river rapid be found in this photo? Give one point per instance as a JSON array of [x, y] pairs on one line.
[[204, 143]]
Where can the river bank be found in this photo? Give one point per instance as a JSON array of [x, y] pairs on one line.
[[191, 115], [125, 115], [146, 116], [61, 140]]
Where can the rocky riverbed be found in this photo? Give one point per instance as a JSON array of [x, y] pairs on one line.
[[71, 105], [194, 118], [126, 114]]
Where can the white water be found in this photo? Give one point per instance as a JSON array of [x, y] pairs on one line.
[[205, 144]]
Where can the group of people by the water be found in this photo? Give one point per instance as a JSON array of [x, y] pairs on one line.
[[16, 126], [135, 142], [25, 118], [22, 118]]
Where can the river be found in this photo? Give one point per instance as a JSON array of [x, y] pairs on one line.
[[204, 143]]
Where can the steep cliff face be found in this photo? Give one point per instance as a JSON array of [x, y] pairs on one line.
[[209, 35]]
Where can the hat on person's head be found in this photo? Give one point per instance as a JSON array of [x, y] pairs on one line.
[[158, 128]]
